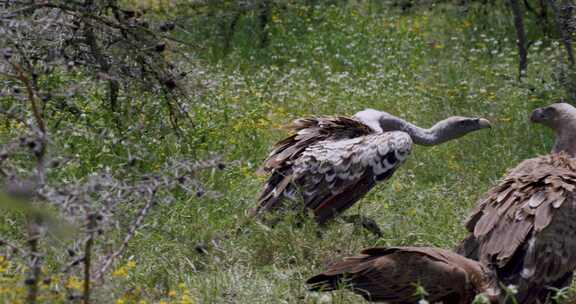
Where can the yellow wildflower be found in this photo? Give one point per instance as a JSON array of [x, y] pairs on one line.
[[452, 165], [247, 172], [74, 283], [186, 299], [397, 186], [4, 264], [172, 293], [131, 264], [121, 272]]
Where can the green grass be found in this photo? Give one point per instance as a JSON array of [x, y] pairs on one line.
[[423, 66]]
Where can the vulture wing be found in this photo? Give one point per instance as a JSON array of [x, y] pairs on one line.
[[330, 175], [524, 228], [393, 274], [308, 131]]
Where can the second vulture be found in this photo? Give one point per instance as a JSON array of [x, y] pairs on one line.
[[393, 274], [329, 163], [525, 227]]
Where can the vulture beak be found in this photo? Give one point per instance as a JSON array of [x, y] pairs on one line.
[[484, 123], [537, 115]]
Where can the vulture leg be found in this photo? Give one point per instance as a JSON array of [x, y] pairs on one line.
[[366, 223], [564, 281]]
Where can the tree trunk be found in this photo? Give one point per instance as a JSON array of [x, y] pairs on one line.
[[228, 30], [264, 16], [520, 38], [102, 61], [562, 16]]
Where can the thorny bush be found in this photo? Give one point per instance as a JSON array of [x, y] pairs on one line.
[[101, 75]]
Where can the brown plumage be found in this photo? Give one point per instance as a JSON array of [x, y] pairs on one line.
[[307, 131], [329, 163], [392, 275], [525, 227]]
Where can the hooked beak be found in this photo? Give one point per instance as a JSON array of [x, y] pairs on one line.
[[484, 123], [537, 115]]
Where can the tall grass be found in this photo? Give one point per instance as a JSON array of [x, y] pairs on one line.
[[424, 66]]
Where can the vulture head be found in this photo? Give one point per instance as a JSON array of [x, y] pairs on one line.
[[560, 117], [443, 131], [458, 126]]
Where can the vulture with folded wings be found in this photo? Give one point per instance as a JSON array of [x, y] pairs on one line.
[[393, 274], [525, 227], [329, 163]]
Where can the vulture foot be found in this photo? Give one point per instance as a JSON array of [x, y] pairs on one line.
[[366, 223]]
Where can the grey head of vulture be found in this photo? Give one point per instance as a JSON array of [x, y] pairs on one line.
[[393, 274], [560, 117], [445, 130]]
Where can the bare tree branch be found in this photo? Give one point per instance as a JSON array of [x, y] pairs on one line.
[[130, 234], [90, 229]]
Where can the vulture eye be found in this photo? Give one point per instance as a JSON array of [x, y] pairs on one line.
[[549, 112]]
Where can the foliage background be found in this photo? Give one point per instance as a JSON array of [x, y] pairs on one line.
[[421, 61]]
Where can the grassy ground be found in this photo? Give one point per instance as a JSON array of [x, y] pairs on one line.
[[423, 66]]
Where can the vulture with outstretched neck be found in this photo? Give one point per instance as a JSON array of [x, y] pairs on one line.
[[393, 274], [330, 163], [525, 227]]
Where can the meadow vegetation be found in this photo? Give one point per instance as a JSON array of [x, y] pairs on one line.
[[422, 64]]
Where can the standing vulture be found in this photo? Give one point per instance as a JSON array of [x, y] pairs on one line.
[[330, 163], [525, 227], [393, 274]]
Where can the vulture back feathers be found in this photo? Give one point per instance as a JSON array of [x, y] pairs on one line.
[[392, 275], [308, 131]]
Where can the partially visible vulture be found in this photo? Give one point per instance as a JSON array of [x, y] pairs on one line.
[[525, 227], [393, 274], [327, 164]]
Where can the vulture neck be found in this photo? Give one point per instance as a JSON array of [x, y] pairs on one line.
[[425, 137], [566, 140]]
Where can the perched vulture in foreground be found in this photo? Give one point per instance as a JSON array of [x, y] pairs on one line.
[[330, 163], [392, 275], [525, 227]]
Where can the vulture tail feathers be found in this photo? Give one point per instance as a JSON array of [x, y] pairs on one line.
[[273, 192], [335, 276], [323, 282]]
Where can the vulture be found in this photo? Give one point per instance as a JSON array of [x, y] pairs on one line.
[[393, 274], [524, 228], [327, 164]]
